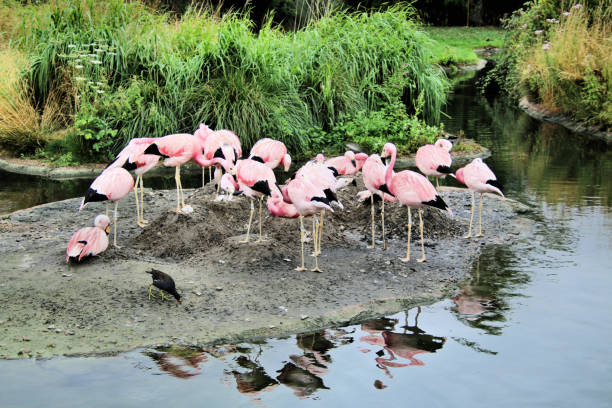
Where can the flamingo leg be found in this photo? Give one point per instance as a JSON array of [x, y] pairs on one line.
[[372, 214], [137, 207], [316, 233], [107, 208], [181, 186], [407, 258], [178, 190], [314, 237], [437, 184], [250, 221], [382, 216], [320, 233], [301, 268], [260, 234], [480, 218], [142, 220], [469, 235], [115, 224], [203, 176], [422, 258]]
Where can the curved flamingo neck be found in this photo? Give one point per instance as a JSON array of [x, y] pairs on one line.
[[389, 173]]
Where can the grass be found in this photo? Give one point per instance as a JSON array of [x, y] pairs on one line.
[[569, 68], [455, 45], [120, 70]]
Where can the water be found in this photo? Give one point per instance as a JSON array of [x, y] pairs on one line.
[[530, 327]]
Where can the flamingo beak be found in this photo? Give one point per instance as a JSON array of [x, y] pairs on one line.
[[107, 229]]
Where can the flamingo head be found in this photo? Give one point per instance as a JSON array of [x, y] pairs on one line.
[[445, 144], [202, 133], [227, 183], [102, 222], [389, 149], [360, 158], [320, 158], [286, 162], [350, 155]]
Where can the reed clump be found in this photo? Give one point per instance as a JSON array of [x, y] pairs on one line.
[[122, 70]]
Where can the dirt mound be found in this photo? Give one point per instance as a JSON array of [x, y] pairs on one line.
[[217, 227]]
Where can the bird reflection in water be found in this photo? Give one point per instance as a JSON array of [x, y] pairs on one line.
[[399, 349], [303, 374], [251, 378], [179, 362]]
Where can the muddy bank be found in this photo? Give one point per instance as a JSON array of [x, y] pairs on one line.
[[231, 291], [538, 112]]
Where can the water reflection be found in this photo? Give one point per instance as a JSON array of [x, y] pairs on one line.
[[399, 349], [179, 362]]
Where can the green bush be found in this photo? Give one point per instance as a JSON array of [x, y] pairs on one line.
[[128, 71]]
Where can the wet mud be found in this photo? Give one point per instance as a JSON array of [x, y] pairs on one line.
[[231, 291]]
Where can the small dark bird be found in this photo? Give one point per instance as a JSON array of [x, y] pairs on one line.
[[163, 282]]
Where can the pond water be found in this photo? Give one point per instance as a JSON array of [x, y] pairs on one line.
[[530, 327]]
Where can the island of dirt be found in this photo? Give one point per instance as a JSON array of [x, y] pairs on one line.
[[231, 291]]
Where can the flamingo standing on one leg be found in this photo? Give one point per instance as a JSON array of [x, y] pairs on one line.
[[272, 152], [308, 199], [89, 241], [373, 173], [479, 178], [435, 159], [112, 184], [255, 179], [414, 191], [178, 149], [348, 164], [132, 157]]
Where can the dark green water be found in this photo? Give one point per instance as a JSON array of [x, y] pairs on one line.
[[531, 327]]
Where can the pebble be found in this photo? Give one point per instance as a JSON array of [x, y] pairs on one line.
[[58, 330], [66, 275], [197, 293], [304, 317], [70, 333], [221, 261], [51, 327], [283, 308], [24, 351], [271, 327], [218, 288], [51, 345], [287, 260]]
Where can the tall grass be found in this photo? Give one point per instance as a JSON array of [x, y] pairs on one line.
[[570, 68], [126, 71]]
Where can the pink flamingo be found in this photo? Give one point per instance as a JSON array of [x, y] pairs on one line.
[[348, 164], [414, 191], [308, 199], [479, 178], [435, 159], [373, 173], [272, 152], [202, 133], [255, 179], [324, 177], [112, 185], [221, 149], [132, 157], [89, 241], [178, 149]]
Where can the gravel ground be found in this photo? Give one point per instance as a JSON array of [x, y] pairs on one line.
[[231, 291]]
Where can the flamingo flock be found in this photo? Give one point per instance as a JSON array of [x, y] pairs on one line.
[[309, 193]]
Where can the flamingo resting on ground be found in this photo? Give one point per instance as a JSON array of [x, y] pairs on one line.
[[479, 178], [112, 185], [348, 164], [414, 191], [178, 149], [132, 157], [308, 199], [272, 152], [373, 173], [435, 159], [255, 179], [89, 241]]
